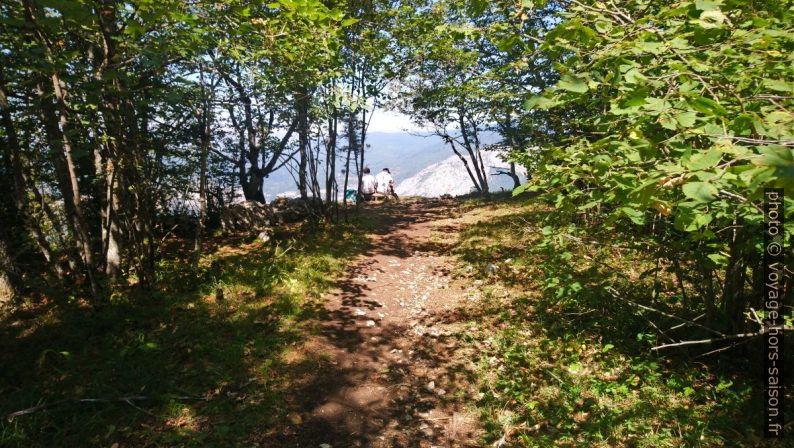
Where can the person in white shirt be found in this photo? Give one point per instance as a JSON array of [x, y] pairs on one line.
[[385, 183], [368, 185]]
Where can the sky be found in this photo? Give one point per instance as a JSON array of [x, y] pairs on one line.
[[384, 120]]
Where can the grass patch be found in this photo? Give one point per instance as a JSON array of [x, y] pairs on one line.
[[203, 360], [564, 364]]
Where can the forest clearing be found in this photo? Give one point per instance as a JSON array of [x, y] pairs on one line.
[[396, 223]]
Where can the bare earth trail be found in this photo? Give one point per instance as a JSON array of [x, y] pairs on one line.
[[390, 371]]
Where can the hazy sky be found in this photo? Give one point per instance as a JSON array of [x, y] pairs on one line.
[[391, 121]]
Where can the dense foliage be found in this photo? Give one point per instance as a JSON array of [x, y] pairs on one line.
[[121, 118], [685, 118]]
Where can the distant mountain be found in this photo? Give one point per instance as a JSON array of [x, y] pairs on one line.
[[404, 154], [449, 176]]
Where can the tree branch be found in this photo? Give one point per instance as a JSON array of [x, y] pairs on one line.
[[724, 338], [616, 295]]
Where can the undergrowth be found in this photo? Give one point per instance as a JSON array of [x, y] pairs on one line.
[[564, 363], [198, 361]]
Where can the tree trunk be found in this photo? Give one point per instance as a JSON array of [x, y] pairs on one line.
[[19, 190], [463, 159], [111, 225], [303, 142], [114, 127], [351, 143], [205, 132], [330, 158], [733, 297], [9, 276], [67, 176], [514, 176], [57, 128], [474, 155]]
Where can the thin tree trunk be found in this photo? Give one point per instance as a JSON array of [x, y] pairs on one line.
[[205, 132], [483, 172], [111, 226], [465, 162], [362, 146], [20, 184], [112, 112], [67, 180], [474, 154], [513, 175], [303, 142], [351, 142], [330, 157], [9, 276], [510, 133], [251, 181], [58, 132], [733, 297]]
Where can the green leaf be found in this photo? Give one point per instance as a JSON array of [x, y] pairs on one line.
[[781, 159], [572, 84], [700, 191], [779, 85], [649, 46], [634, 76], [667, 122], [636, 216], [520, 189], [635, 98], [539, 102], [708, 5], [705, 160], [656, 105], [712, 19], [707, 106], [348, 22], [603, 26], [686, 119], [777, 156], [718, 259], [742, 124]]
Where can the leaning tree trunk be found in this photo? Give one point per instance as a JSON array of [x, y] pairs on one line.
[[57, 127], [54, 123], [514, 176], [474, 179], [473, 148]]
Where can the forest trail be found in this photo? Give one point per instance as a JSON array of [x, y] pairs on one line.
[[390, 372]]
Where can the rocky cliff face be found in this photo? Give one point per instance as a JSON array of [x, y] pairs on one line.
[[450, 177]]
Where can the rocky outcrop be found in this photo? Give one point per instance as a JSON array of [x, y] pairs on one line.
[[287, 210], [248, 216], [449, 177], [258, 218]]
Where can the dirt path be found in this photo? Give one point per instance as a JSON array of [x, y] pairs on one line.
[[390, 371]]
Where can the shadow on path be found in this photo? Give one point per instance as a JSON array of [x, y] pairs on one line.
[[389, 371]]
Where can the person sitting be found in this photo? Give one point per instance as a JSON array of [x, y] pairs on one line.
[[385, 183], [368, 185]]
